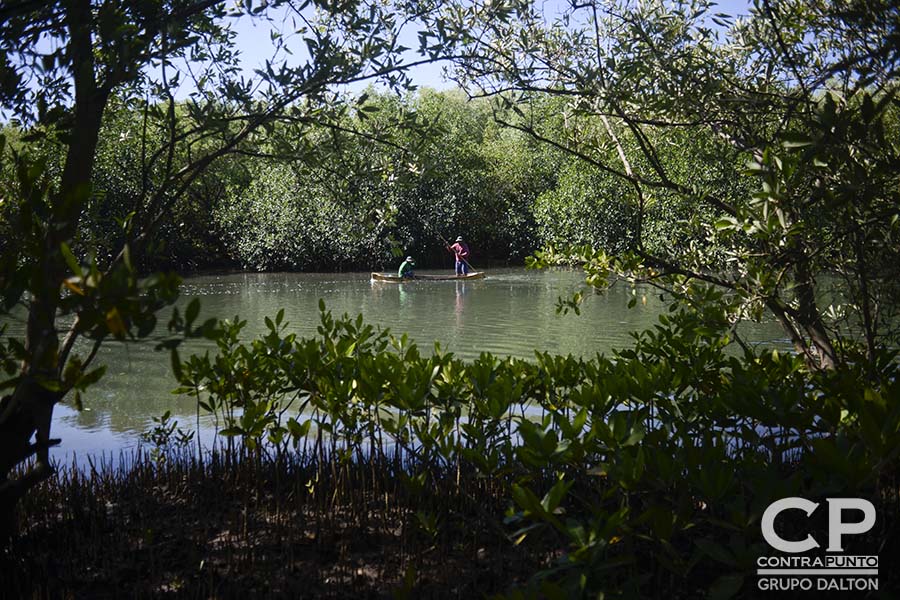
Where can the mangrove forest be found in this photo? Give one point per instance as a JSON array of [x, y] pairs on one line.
[[449, 299]]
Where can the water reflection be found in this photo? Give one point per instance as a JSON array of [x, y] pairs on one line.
[[512, 312], [460, 302], [405, 298]]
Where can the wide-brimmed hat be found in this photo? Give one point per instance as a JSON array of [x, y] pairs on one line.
[[410, 259], [459, 238]]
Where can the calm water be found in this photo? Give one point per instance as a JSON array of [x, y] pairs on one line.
[[512, 312]]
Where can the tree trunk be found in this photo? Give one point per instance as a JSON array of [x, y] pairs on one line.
[[810, 319], [26, 413], [29, 411]]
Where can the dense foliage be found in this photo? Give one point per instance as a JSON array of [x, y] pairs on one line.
[[659, 96], [650, 468], [78, 232], [394, 176], [745, 169]]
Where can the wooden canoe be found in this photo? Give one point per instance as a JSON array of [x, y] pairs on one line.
[[397, 279]]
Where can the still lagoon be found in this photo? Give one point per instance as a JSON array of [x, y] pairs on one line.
[[510, 313]]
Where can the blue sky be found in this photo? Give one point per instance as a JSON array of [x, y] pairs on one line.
[[255, 44], [253, 39]]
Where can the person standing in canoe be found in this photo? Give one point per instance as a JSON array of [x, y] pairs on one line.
[[461, 251], [406, 269]]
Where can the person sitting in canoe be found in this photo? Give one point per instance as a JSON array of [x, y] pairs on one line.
[[461, 251], [406, 269]]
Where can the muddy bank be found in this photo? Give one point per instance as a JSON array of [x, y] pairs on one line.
[[241, 525]]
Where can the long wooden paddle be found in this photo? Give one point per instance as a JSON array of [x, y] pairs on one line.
[[447, 244]]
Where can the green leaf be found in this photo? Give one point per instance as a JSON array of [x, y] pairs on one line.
[[115, 323], [70, 259], [298, 430], [176, 364], [193, 310], [527, 500], [91, 378], [726, 223], [554, 497], [795, 140]]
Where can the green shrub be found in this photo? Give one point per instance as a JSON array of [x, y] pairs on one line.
[[651, 468]]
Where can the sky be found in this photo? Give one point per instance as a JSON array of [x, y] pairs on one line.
[[254, 42], [255, 45]]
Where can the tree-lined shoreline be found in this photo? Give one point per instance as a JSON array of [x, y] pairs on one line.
[[744, 170], [452, 170]]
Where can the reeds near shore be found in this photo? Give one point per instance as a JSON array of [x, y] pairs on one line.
[[241, 523]]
